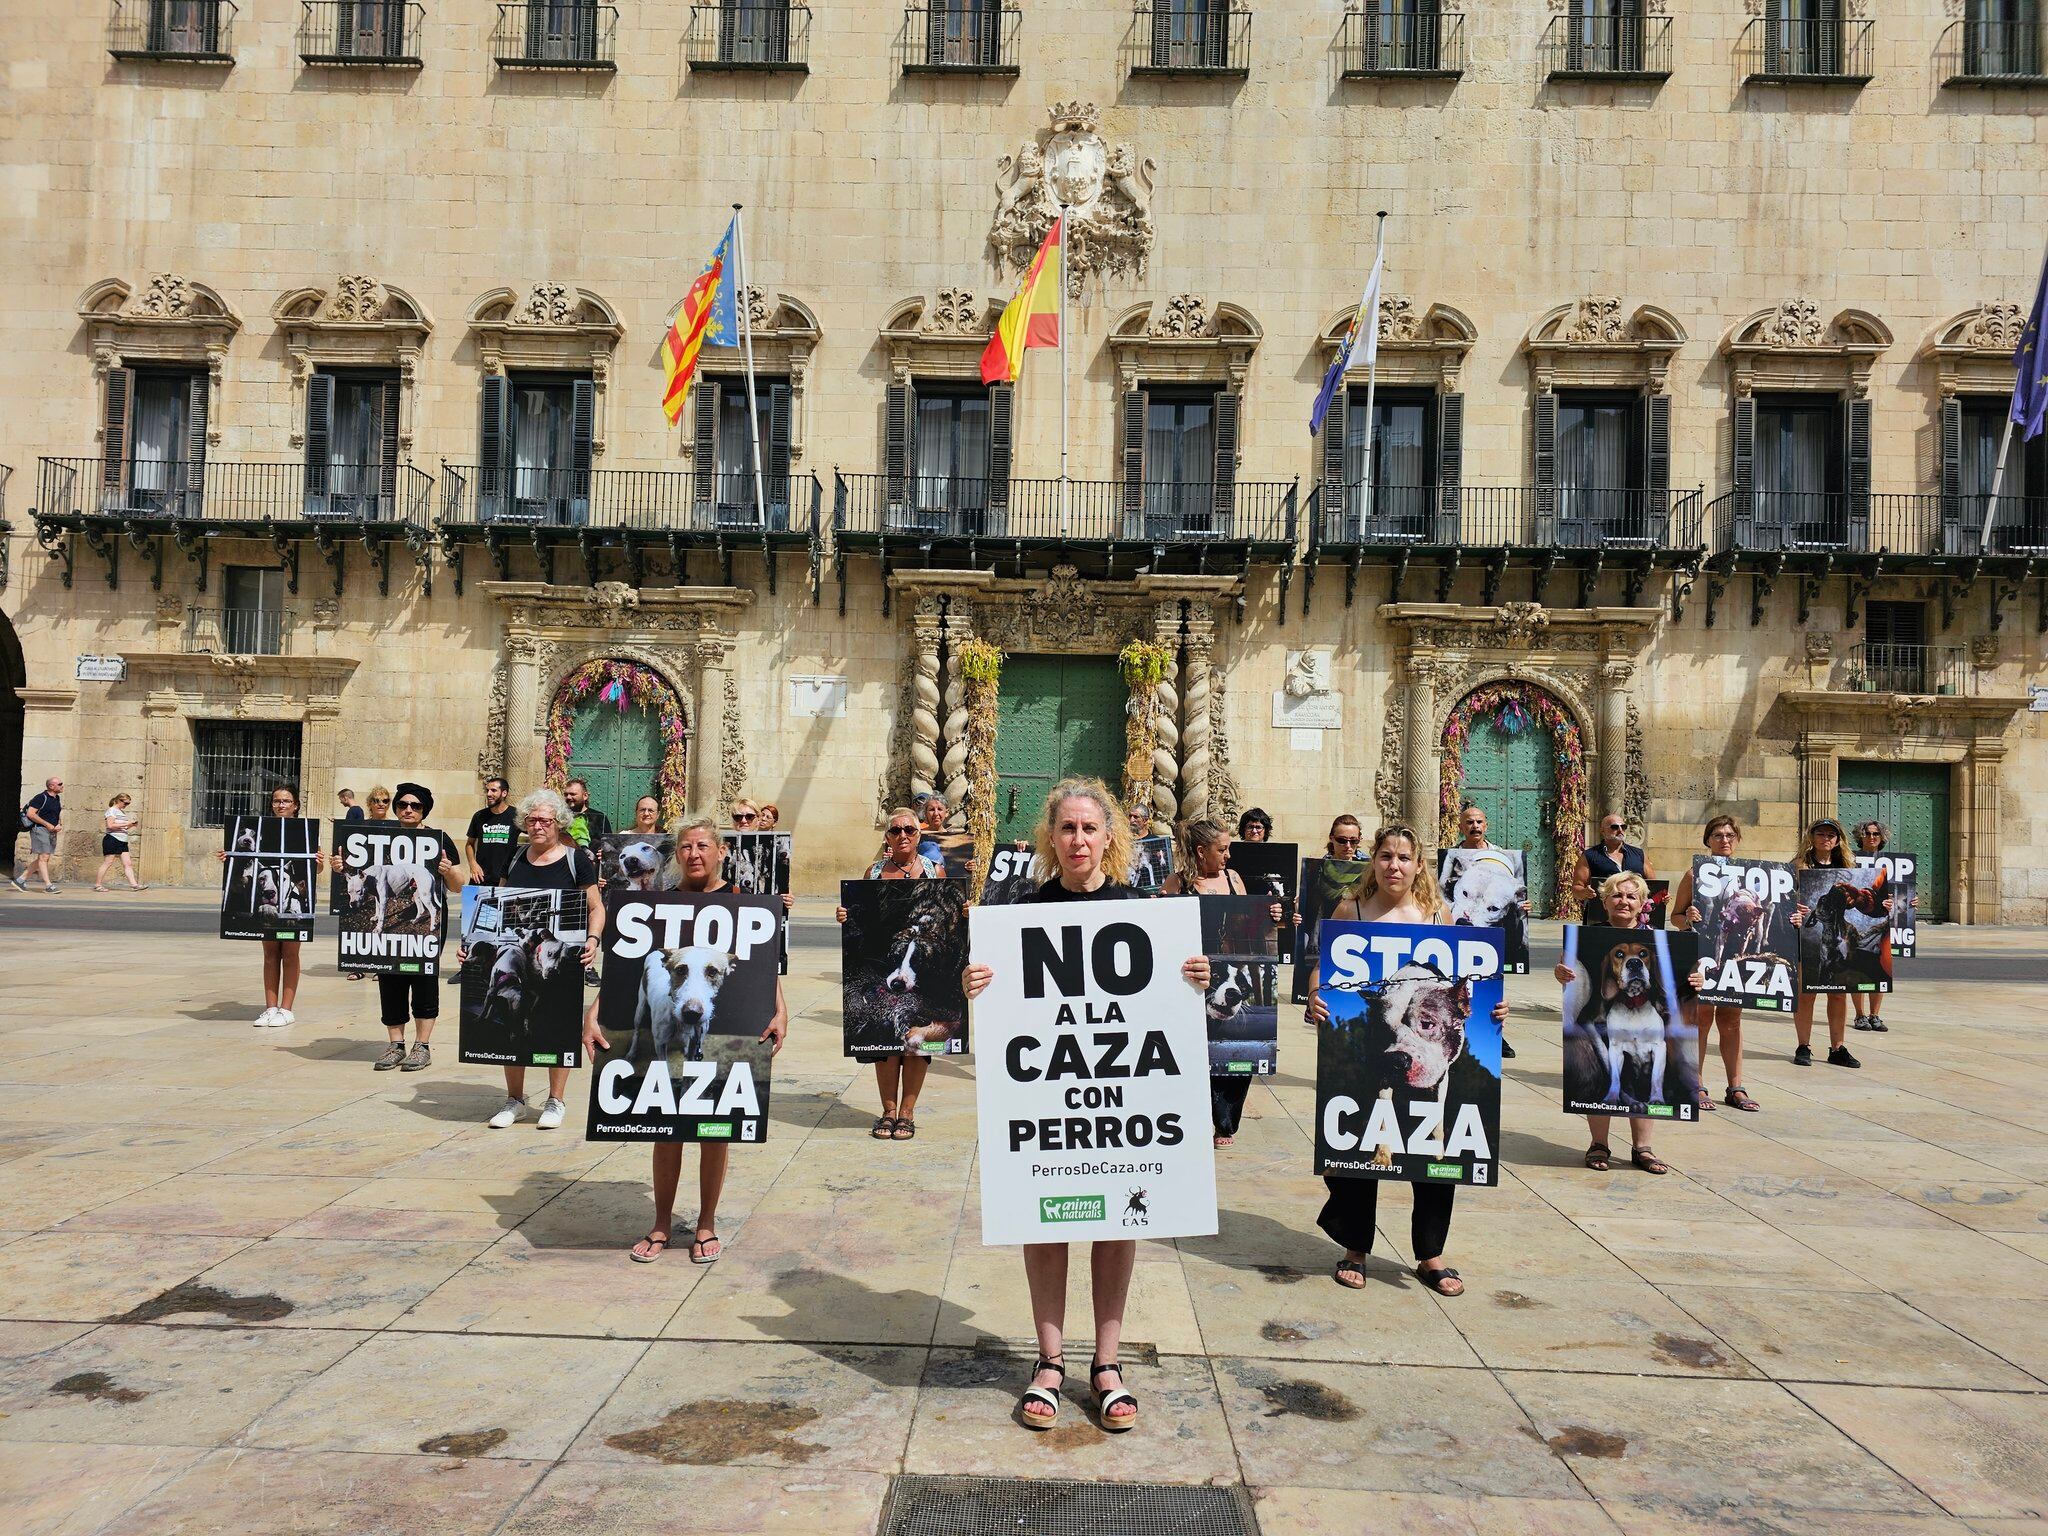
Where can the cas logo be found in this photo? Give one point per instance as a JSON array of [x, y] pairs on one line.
[[1137, 1209]]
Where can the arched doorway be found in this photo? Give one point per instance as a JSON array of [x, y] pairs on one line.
[[619, 726], [13, 675], [1514, 751]]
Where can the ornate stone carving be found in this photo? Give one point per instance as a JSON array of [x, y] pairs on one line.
[[544, 304], [1066, 610], [924, 701], [953, 765], [1902, 713], [1195, 710], [1997, 328], [167, 296], [954, 312], [1795, 323], [732, 758], [170, 609], [1984, 651], [1225, 794], [1820, 647], [760, 308], [1597, 320], [356, 297], [490, 758], [1398, 320], [613, 603], [1636, 794], [1389, 780], [1185, 316], [1106, 191], [1520, 623]]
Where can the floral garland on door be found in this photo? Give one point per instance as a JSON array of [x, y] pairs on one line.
[[628, 685], [1514, 707]]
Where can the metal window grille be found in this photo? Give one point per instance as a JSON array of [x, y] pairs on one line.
[[235, 766]]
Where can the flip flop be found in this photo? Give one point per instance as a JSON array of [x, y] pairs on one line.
[[698, 1246], [656, 1245]]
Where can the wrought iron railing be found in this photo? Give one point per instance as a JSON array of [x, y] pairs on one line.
[[360, 32], [1395, 38], [229, 631], [1508, 517], [1599, 42], [1879, 666], [222, 492], [961, 37], [647, 500], [1076, 511], [1993, 53], [195, 31], [755, 35], [556, 34], [1191, 37], [1794, 522], [1790, 51]]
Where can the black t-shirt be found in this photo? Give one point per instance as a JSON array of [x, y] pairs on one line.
[[496, 835], [1052, 890], [48, 806], [573, 873]]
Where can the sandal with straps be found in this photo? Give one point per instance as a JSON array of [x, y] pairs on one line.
[[1104, 1401], [1435, 1278], [1598, 1156], [1049, 1397], [1647, 1160], [884, 1127], [1735, 1098]]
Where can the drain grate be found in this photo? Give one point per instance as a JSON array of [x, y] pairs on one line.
[[995, 1506]]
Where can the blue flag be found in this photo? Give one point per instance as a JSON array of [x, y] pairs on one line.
[[1365, 326], [2030, 368], [724, 329]]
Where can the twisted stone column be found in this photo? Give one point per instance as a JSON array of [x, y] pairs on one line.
[[1166, 719], [1195, 713], [953, 765], [924, 701]]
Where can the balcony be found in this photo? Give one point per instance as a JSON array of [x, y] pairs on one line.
[[176, 31], [1507, 517], [225, 631], [1073, 512], [1383, 42], [1879, 666], [1836, 523], [1993, 53], [1783, 51], [1191, 38], [759, 37], [651, 501], [556, 34], [171, 491], [367, 32], [961, 37], [1601, 45]]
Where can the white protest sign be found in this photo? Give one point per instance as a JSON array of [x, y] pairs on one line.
[[1093, 1085]]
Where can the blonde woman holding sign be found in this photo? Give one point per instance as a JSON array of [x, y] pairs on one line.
[[1085, 839]]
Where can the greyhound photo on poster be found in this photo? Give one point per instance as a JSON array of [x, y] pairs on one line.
[[522, 976], [1902, 880], [1845, 930], [1629, 1047], [267, 879], [689, 986], [1749, 946], [1484, 888], [757, 864], [1013, 873], [635, 861], [391, 897], [1242, 1003], [1092, 1086], [1325, 885], [902, 948], [1408, 1063]]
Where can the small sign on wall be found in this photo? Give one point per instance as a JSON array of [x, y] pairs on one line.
[[1313, 712], [817, 696], [102, 669], [2037, 698]]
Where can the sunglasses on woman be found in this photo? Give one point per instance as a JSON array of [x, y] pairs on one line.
[[902, 831], [410, 805], [743, 821]]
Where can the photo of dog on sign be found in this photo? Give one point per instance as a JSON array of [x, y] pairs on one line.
[[1629, 1048], [522, 976], [266, 889], [634, 861], [1484, 888], [902, 949], [1242, 1003]]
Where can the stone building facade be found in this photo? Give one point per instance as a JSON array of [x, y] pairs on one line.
[[1690, 333]]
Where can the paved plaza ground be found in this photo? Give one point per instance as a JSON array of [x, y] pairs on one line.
[[249, 1286]]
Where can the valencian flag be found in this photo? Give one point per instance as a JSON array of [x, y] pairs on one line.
[[1033, 317], [708, 316], [2030, 368], [1364, 325]]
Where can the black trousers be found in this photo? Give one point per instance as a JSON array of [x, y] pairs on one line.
[[408, 997], [1349, 1216], [1226, 1102]]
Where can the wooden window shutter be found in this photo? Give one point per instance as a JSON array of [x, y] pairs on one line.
[[1336, 495], [777, 467], [1216, 33], [1229, 409], [1546, 458], [1824, 38], [1162, 33], [1574, 36], [536, 29], [1657, 464], [115, 444], [1951, 474], [896, 442], [1370, 21], [195, 441], [1856, 440], [1450, 451], [319, 427], [1744, 467], [936, 16], [159, 26], [394, 28], [582, 441], [704, 440], [1002, 400], [587, 18], [387, 447], [493, 440], [1131, 412]]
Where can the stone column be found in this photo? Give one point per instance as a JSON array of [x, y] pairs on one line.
[[1976, 862], [1424, 766], [959, 630], [1166, 718], [1196, 699], [924, 700], [725, 746], [166, 848], [1613, 743], [1816, 752], [520, 754]]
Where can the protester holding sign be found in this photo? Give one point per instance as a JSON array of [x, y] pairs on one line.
[[1397, 888], [280, 956], [1823, 850], [900, 1078], [1871, 838], [1085, 838], [1721, 838], [700, 856]]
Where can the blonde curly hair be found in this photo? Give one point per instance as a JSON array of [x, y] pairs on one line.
[[1118, 851]]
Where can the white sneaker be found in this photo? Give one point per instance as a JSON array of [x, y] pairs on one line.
[[507, 1115], [265, 1019], [284, 1016], [551, 1114]]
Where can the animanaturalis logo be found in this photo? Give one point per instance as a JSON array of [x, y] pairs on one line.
[[1444, 1170], [1054, 1208]]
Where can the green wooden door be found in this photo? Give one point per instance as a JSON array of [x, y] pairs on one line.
[[1911, 799], [1514, 780], [618, 753], [1056, 716]]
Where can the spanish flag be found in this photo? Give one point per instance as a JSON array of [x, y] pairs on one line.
[[708, 314], [1033, 317]]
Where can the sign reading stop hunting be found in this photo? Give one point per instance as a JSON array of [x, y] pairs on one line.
[[1093, 1090], [1749, 947]]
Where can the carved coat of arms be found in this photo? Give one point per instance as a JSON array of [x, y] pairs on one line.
[[1105, 188]]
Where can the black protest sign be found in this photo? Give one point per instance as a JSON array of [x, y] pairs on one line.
[[1151, 863], [1902, 875], [1749, 947], [1629, 1046], [1324, 883], [689, 985], [1013, 874], [902, 949], [635, 861], [1845, 931], [1657, 913], [390, 895], [522, 976], [1242, 1002], [956, 852], [267, 880], [1271, 869], [1484, 888], [757, 864]]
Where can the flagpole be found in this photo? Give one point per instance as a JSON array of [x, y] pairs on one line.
[[739, 241], [1063, 370], [2004, 447], [1372, 374]]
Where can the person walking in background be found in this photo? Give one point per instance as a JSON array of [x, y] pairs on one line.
[[1255, 826], [587, 825], [493, 834], [1823, 850], [900, 1079], [350, 811], [417, 996], [114, 843], [1720, 838], [43, 815], [1599, 863], [280, 956]]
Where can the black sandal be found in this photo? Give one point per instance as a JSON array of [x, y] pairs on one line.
[[1648, 1160], [906, 1129], [884, 1128], [1736, 1098], [1037, 1394], [1349, 1267], [1434, 1279], [1598, 1156], [1104, 1401]]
